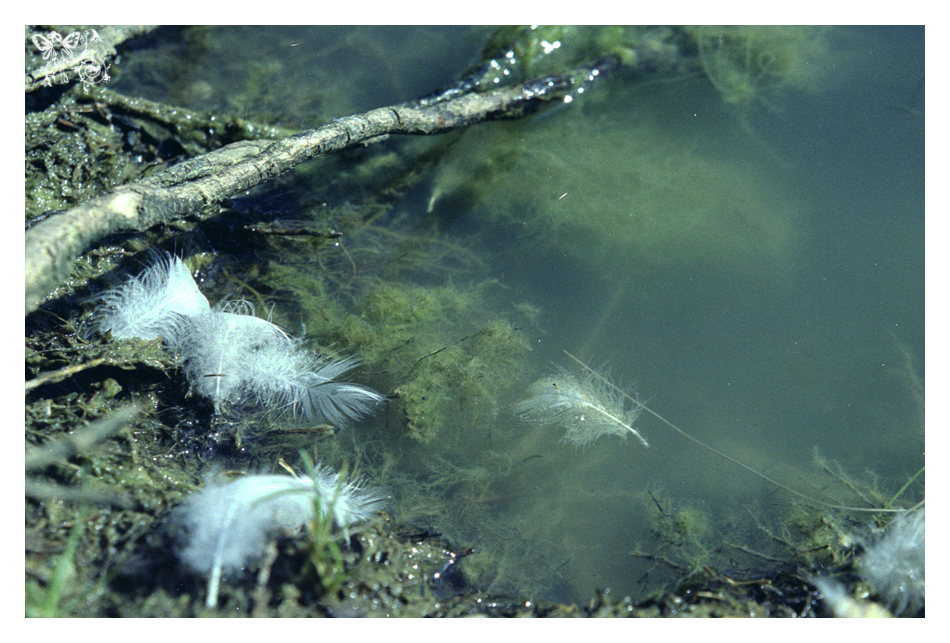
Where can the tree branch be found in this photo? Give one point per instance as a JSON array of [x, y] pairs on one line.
[[190, 187]]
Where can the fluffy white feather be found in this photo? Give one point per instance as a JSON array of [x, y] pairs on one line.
[[234, 358], [894, 564], [348, 500], [586, 408], [226, 527], [151, 304], [288, 378], [229, 525], [220, 349]]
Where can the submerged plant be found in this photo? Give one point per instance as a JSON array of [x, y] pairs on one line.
[[750, 63], [643, 192], [448, 357]]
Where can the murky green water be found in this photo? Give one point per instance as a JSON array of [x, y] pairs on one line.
[[754, 271]]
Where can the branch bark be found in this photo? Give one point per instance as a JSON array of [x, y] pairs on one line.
[[191, 186]]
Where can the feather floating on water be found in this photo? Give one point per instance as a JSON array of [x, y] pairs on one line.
[[611, 389], [585, 407], [152, 304], [234, 358]]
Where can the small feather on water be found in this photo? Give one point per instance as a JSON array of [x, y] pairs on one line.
[[586, 407]]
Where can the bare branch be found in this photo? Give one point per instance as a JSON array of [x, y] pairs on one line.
[[190, 187]]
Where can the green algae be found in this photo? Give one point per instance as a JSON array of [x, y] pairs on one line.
[[753, 64], [608, 186], [441, 353], [449, 360], [611, 183]]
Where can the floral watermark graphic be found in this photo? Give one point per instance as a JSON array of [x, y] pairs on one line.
[[70, 57]]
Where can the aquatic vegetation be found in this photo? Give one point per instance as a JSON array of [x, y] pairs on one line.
[[609, 186], [753, 64], [684, 533], [428, 369], [612, 182], [447, 357]]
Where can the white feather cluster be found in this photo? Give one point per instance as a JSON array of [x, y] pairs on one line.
[[232, 357], [226, 527], [152, 304]]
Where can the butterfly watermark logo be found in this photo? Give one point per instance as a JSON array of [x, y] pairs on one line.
[[65, 60]]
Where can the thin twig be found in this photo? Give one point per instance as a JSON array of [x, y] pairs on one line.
[[61, 374]]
